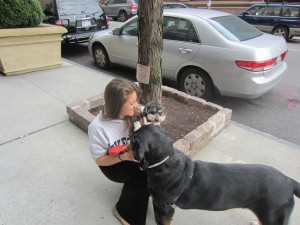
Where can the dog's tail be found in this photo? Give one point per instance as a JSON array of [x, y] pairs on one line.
[[296, 188]]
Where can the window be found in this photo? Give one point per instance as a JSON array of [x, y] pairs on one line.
[[72, 7], [174, 29], [290, 11], [178, 6], [234, 29], [256, 10], [271, 11], [116, 1], [131, 29], [179, 29]]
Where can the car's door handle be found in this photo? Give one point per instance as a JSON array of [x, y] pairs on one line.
[[185, 50]]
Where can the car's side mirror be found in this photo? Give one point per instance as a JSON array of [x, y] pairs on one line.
[[117, 31], [246, 13]]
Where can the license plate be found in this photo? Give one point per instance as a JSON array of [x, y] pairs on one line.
[[86, 23]]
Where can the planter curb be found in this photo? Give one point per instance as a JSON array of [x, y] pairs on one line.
[[190, 144]]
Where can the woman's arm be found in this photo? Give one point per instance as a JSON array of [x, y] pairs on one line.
[[108, 160]]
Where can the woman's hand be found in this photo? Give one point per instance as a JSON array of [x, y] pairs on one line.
[[108, 160], [127, 156]]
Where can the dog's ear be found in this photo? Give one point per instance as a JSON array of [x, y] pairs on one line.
[[139, 150]]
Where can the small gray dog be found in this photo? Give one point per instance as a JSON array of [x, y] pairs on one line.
[[174, 179]]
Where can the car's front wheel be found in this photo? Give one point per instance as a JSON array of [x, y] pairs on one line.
[[196, 83], [101, 57], [123, 16], [281, 31]]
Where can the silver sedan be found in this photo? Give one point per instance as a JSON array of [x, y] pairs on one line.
[[204, 51]]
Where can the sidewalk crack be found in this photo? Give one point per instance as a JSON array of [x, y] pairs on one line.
[[33, 132]]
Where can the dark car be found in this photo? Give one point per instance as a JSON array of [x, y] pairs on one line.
[[82, 18], [276, 18]]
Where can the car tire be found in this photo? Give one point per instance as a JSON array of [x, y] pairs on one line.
[[196, 82], [101, 57], [123, 16], [281, 31]]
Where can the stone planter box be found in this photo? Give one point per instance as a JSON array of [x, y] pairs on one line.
[[30, 49], [190, 144]]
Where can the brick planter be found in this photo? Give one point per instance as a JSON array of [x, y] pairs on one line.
[[190, 144]]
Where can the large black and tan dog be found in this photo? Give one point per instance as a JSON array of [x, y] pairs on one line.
[[175, 179]]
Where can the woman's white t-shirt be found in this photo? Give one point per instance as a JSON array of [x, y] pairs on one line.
[[104, 134]]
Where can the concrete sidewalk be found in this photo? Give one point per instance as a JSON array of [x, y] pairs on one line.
[[47, 175]]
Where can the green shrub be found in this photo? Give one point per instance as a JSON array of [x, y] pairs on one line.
[[20, 13]]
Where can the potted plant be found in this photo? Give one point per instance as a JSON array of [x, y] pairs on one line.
[[26, 44]]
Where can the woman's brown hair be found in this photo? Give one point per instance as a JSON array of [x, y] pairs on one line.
[[115, 95]]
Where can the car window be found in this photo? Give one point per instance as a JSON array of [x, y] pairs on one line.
[[271, 11], [179, 29], [130, 28], [290, 11], [72, 7], [234, 28], [191, 6], [178, 6], [118, 1], [256, 10]]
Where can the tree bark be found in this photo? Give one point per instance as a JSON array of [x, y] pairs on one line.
[[150, 47]]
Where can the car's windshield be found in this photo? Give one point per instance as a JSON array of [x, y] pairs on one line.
[[72, 7], [234, 29]]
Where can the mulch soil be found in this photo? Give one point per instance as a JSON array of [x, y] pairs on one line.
[[182, 118]]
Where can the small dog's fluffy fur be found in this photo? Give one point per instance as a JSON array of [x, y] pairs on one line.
[[154, 112]]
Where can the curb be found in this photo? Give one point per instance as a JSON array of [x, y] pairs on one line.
[[190, 144]]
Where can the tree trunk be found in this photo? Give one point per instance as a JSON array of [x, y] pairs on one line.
[[150, 47]]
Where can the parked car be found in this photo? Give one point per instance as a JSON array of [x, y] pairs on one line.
[[203, 51], [281, 19], [120, 9], [82, 18], [172, 5]]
